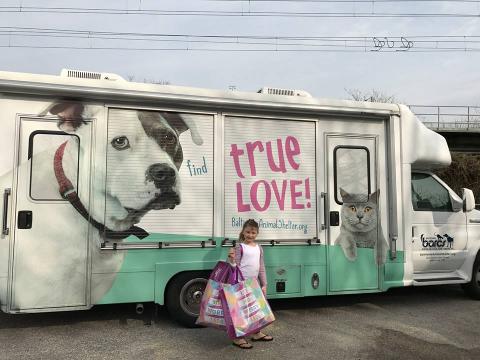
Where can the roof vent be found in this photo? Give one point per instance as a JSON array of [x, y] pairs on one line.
[[286, 92], [79, 74]]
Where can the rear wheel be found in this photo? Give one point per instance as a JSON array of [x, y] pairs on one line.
[[184, 295], [473, 287]]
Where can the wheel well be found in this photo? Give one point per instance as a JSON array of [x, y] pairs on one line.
[[477, 258]]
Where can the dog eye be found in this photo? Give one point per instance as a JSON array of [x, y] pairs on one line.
[[169, 139], [120, 143]]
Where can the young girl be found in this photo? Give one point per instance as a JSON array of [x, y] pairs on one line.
[[248, 256]]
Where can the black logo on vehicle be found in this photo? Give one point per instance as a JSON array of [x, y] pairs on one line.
[[437, 242]]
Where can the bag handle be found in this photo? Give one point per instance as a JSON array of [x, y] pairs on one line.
[[235, 276], [239, 275], [221, 272]]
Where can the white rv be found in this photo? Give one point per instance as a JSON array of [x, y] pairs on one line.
[[119, 192]]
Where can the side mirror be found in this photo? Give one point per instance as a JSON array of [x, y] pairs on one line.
[[468, 200], [457, 203]]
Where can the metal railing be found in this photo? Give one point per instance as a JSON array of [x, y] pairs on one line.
[[448, 118]]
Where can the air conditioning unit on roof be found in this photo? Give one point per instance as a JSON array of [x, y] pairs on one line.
[[286, 92], [79, 74]]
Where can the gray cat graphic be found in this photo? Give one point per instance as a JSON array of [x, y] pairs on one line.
[[360, 228]]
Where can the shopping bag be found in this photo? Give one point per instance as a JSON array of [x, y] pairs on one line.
[[211, 309], [245, 308]]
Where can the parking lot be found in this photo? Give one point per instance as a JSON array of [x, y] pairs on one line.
[[411, 323]]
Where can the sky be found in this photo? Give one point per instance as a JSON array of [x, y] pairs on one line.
[[411, 76]]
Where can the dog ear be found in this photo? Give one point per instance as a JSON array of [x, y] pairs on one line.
[[69, 114], [184, 122]]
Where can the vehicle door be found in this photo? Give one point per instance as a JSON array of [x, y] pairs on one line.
[[439, 233], [355, 197], [50, 238]]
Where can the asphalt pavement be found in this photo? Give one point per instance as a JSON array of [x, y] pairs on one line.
[[410, 323]]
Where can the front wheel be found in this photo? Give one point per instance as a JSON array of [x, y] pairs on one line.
[[184, 295], [473, 287]]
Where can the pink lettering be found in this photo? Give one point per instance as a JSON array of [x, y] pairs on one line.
[[236, 153], [262, 189], [281, 158], [280, 197], [292, 148], [307, 192], [241, 207], [251, 158], [254, 195], [295, 194]]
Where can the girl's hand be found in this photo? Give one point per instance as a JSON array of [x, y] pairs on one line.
[[264, 290], [231, 256]]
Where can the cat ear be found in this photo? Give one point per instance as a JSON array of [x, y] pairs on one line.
[[374, 197], [343, 194]]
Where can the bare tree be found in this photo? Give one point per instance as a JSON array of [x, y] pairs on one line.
[[372, 96], [132, 78], [463, 172]]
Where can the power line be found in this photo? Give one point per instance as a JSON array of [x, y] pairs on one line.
[[354, 1], [176, 42], [98, 40], [30, 31], [18, 37], [345, 49], [218, 13]]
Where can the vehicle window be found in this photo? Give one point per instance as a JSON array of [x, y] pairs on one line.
[[428, 194], [351, 171], [39, 143], [162, 161]]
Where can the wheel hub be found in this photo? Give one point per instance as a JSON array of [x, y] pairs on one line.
[[191, 296], [197, 295]]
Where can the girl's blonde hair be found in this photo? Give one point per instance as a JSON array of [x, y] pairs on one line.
[[250, 222]]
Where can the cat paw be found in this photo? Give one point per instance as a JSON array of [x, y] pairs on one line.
[[350, 253]]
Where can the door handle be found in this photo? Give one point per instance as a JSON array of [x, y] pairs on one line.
[[6, 194], [323, 195], [393, 247], [334, 218], [414, 233], [24, 219]]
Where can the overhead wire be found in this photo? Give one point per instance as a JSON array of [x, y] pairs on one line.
[[353, 1], [250, 43], [221, 13], [38, 30], [346, 49]]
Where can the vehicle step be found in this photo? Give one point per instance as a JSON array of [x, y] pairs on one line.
[[439, 279]]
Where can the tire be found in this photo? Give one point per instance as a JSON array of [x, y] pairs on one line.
[[183, 297], [473, 287]]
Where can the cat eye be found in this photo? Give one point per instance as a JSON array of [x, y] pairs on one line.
[[353, 208], [367, 209]]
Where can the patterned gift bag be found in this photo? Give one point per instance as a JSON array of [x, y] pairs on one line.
[[245, 309], [211, 309]]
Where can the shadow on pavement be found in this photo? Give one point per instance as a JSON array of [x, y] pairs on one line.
[[154, 314]]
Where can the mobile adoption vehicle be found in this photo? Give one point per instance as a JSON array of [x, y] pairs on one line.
[[119, 192]]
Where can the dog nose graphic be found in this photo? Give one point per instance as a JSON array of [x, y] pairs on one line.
[[161, 173]]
